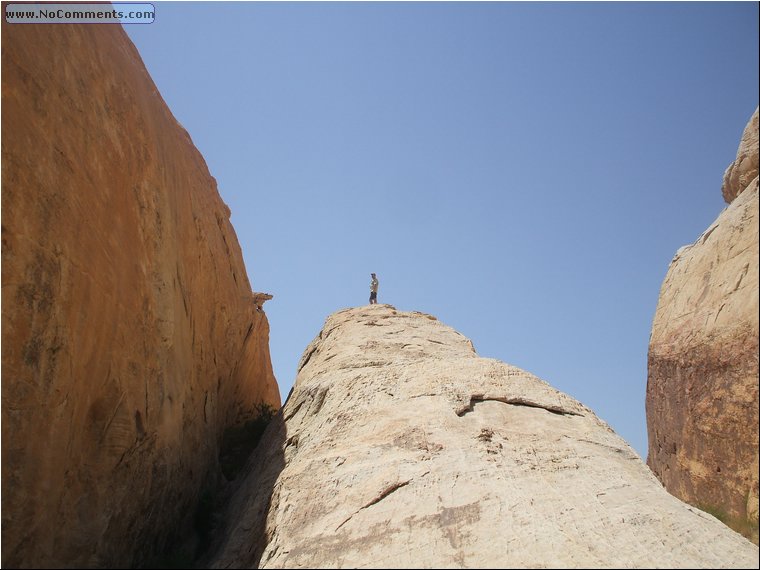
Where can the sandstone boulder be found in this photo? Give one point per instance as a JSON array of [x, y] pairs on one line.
[[702, 389], [130, 334], [400, 447]]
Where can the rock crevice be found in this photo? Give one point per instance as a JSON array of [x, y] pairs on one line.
[[475, 400]]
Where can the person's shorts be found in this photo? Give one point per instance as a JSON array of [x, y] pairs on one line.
[[373, 296]]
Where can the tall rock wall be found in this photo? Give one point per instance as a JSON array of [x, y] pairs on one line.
[[400, 447], [130, 336], [702, 389]]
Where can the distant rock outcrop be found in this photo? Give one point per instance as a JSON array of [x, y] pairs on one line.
[[744, 169], [702, 389], [401, 448], [130, 335]]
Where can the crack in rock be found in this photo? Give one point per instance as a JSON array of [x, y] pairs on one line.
[[386, 492], [515, 402]]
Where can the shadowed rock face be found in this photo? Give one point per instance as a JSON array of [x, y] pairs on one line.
[[400, 447], [130, 335], [702, 390]]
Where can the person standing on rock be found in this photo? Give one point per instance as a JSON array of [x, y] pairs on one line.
[[373, 290]]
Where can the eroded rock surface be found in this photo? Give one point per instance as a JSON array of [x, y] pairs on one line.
[[744, 169], [702, 390], [400, 447], [130, 335]]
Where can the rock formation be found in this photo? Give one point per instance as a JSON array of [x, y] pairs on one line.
[[130, 335], [702, 389], [400, 447], [744, 169]]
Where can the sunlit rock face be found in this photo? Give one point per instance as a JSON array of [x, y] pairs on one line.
[[702, 391], [400, 447], [744, 169], [130, 335]]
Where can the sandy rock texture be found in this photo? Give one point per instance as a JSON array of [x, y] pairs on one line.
[[400, 447], [130, 335], [702, 390], [744, 169]]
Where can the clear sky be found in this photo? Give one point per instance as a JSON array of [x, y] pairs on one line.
[[523, 171]]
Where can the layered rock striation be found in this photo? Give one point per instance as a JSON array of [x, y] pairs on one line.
[[400, 447], [131, 338], [702, 389]]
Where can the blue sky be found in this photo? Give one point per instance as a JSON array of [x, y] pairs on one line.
[[523, 171]]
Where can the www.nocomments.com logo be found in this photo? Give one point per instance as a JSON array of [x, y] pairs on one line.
[[115, 13]]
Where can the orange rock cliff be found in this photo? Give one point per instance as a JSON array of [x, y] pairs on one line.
[[131, 338]]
